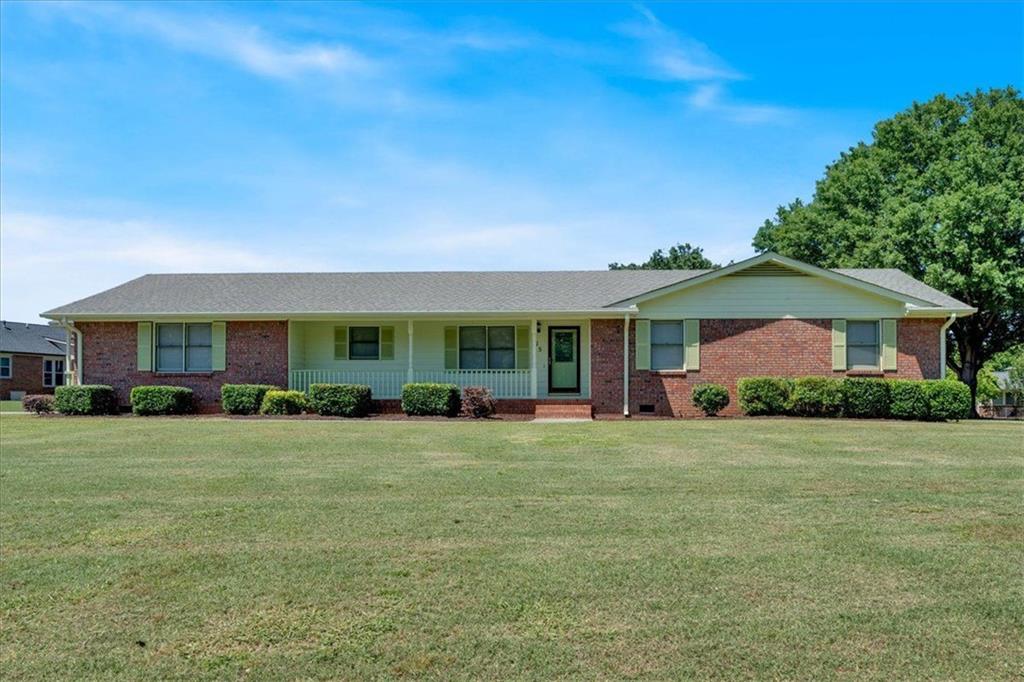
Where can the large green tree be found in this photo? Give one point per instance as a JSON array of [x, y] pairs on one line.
[[679, 257], [938, 193]]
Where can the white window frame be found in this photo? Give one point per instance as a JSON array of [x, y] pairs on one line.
[[682, 346], [10, 366], [184, 349], [53, 372], [487, 347], [877, 367]]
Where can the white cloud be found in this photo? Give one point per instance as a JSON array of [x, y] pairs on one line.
[[675, 56], [48, 260], [245, 46], [710, 97]]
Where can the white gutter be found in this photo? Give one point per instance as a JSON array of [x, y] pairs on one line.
[[942, 345]]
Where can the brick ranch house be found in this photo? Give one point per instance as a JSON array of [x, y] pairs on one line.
[[607, 343], [31, 359]]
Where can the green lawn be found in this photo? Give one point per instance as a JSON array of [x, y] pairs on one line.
[[208, 548], [10, 406]]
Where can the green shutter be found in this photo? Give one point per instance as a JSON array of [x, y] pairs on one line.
[[643, 344], [218, 334], [523, 350], [838, 344], [691, 337], [387, 343], [341, 343], [451, 347], [144, 350], [888, 344]]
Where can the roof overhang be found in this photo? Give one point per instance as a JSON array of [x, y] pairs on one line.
[[615, 312], [798, 266]]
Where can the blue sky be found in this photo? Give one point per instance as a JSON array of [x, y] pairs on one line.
[[141, 138]]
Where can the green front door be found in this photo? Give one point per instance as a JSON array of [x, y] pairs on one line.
[[564, 360]]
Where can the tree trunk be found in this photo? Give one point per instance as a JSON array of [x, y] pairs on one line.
[[970, 365]]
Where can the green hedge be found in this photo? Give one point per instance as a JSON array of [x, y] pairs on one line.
[[816, 397], [908, 400], [441, 400], [243, 398], [947, 400], [710, 398], [865, 398], [88, 399], [764, 395], [283, 402], [157, 400], [340, 400], [855, 397]]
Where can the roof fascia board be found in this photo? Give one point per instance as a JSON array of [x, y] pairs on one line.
[[782, 260], [332, 315]]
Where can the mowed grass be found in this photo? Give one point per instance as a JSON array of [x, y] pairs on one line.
[[796, 549], [11, 406]]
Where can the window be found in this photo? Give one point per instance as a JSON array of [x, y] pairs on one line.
[[5, 367], [501, 347], [184, 347], [364, 343], [53, 373], [487, 347], [667, 345], [862, 351]]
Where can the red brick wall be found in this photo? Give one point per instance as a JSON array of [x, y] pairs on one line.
[[732, 349], [256, 353], [26, 375]]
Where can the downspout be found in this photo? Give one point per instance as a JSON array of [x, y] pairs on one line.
[[942, 345], [625, 367], [72, 333]]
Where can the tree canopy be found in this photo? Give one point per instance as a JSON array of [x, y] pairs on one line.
[[939, 194], [679, 257]]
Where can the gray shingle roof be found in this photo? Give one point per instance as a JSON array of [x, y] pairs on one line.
[[410, 292], [31, 339]]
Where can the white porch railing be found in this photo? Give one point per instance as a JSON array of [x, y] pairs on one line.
[[504, 383]]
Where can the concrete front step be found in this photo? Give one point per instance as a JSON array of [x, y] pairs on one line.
[[557, 411]]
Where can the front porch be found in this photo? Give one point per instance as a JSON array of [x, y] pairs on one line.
[[509, 356]]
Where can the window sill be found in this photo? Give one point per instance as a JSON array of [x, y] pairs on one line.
[[184, 374], [865, 373], [669, 372]]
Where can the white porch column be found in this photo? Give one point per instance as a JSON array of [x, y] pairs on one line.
[[410, 374], [68, 376], [625, 367], [533, 358]]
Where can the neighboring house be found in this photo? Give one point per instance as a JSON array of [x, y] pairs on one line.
[[31, 359], [615, 342], [1010, 400]]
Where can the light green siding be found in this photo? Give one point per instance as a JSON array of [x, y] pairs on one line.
[[759, 297], [311, 346]]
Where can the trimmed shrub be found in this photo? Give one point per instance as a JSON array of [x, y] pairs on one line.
[[477, 402], [865, 398], [816, 397], [947, 399], [440, 400], [88, 399], [340, 400], [710, 398], [243, 398], [764, 395], [158, 400], [908, 400], [40, 404], [283, 402]]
